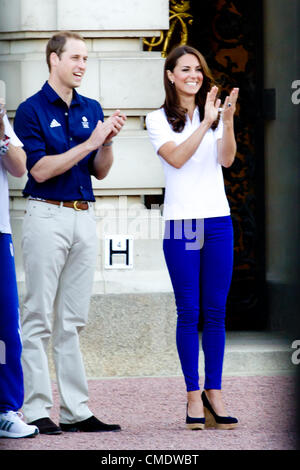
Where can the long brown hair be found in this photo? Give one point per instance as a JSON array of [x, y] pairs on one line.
[[176, 115]]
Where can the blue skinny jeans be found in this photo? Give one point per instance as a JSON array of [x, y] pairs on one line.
[[201, 278], [11, 374]]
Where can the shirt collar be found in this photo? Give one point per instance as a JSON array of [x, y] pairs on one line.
[[52, 96], [77, 98], [196, 112], [196, 115]]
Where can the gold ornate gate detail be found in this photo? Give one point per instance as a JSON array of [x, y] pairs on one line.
[[179, 19]]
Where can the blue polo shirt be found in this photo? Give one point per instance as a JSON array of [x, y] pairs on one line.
[[47, 126]]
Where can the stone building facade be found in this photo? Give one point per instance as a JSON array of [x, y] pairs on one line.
[[121, 74]]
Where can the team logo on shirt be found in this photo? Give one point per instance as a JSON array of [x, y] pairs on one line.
[[54, 123], [85, 122]]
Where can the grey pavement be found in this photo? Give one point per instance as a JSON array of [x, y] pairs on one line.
[[133, 335]]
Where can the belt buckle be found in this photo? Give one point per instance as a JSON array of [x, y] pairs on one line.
[[75, 206]]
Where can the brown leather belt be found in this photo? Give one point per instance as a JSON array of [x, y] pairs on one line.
[[77, 205]]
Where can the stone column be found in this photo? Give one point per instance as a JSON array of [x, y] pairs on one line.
[[281, 67]]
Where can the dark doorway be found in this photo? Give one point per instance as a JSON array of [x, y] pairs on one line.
[[229, 34]]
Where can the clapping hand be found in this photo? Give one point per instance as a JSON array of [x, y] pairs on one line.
[[212, 105], [105, 131], [117, 120], [229, 106]]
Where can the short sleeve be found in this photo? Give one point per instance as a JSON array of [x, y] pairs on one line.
[[28, 130], [218, 133], [10, 133], [158, 128]]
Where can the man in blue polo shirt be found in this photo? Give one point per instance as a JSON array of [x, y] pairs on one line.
[[66, 142]]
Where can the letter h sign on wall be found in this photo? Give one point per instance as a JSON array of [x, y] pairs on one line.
[[118, 252]]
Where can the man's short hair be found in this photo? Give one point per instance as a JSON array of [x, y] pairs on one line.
[[57, 43]]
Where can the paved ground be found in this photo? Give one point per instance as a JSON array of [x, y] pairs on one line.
[[151, 412]]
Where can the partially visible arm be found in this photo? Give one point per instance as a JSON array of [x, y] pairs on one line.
[[103, 162], [227, 147], [178, 155], [104, 158], [53, 165], [14, 161], [49, 166], [227, 144]]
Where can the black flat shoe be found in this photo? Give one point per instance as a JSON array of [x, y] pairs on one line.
[[194, 424], [91, 424], [46, 426], [212, 420]]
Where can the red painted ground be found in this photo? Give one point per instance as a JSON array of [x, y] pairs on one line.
[[151, 412]]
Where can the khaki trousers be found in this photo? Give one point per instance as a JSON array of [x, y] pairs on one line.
[[59, 253]]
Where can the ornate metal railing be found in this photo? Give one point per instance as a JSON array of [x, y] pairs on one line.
[[179, 19]]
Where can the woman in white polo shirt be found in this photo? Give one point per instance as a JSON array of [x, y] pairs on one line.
[[194, 138]]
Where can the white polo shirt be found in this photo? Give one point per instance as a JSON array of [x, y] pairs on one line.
[[4, 196], [196, 190]]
